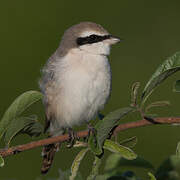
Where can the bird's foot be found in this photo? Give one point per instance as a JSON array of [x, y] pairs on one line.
[[57, 146], [92, 130], [72, 138]]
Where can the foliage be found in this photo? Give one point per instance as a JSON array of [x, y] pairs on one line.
[[76, 163], [95, 169], [115, 163], [28, 125], [12, 114], [104, 127], [122, 155], [122, 150], [1, 161], [167, 68]]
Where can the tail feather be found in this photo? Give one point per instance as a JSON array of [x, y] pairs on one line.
[[48, 154]]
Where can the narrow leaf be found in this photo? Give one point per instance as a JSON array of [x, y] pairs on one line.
[[104, 128], [167, 68], [134, 93], [1, 161], [152, 177], [76, 163], [138, 162], [80, 144], [116, 160], [157, 104], [168, 166], [130, 142], [19, 105], [125, 152], [95, 169], [64, 175], [177, 86], [112, 161]]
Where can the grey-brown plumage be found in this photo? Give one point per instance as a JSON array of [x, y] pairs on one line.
[[48, 153], [76, 81]]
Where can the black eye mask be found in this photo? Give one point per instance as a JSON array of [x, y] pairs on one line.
[[91, 39]]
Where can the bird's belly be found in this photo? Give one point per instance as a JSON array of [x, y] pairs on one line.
[[82, 96]]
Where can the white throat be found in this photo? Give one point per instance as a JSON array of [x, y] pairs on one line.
[[99, 48]]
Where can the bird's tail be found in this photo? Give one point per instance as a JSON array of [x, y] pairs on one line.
[[48, 153]]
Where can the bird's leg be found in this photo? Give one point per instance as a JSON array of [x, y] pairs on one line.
[[100, 116], [91, 130], [72, 137]]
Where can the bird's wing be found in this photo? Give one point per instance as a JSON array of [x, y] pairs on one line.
[[47, 85]]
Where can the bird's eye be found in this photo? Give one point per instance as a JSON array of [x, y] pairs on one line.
[[93, 37]]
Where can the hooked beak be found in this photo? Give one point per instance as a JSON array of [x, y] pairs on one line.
[[114, 39]]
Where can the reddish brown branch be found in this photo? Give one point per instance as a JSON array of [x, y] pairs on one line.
[[81, 134]]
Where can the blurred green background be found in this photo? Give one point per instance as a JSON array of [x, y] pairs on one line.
[[30, 32]]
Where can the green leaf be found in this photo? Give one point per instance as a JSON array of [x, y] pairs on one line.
[[33, 129], [125, 152], [15, 128], [152, 177], [178, 150], [118, 175], [134, 93], [104, 128], [19, 105], [64, 175], [80, 144], [169, 175], [115, 160], [95, 169], [1, 161], [169, 169], [130, 142], [138, 162], [76, 163], [167, 68], [177, 86], [112, 161], [157, 104]]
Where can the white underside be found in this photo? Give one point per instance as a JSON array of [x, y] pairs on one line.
[[82, 87]]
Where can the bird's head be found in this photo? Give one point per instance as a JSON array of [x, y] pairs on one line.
[[89, 37]]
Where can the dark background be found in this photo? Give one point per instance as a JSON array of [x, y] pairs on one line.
[[30, 32]]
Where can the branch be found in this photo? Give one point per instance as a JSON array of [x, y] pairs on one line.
[[81, 134]]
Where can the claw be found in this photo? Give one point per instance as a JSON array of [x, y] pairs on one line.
[[57, 146], [72, 138], [92, 130], [16, 151]]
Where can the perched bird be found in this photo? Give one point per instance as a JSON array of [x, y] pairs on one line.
[[76, 81]]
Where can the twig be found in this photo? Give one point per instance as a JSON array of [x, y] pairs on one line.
[[81, 134]]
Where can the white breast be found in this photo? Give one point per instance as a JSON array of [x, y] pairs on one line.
[[83, 87]]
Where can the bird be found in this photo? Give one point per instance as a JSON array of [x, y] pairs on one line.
[[75, 81]]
